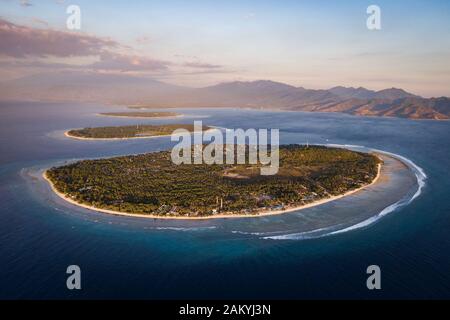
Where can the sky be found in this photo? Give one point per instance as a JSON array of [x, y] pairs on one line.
[[314, 44]]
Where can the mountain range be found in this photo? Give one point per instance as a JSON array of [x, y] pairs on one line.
[[262, 94]]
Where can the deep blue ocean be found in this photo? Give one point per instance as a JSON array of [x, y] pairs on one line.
[[135, 258]]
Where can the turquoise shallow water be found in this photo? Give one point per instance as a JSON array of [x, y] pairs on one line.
[[251, 258]]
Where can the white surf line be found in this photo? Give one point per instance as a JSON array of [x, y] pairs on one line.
[[420, 176], [418, 171], [184, 228], [302, 235]]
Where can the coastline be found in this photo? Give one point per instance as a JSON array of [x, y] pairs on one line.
[[110, 139], [273, 109], [138, 117], [66, 134], [218, 216]]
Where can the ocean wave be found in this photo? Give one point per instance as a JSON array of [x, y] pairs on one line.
[[313, 234], [248, 233], [185, 228], [255, 233], [419, 172], [330, 231]]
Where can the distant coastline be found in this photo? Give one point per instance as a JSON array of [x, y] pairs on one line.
[[141, 115], [67, 134]]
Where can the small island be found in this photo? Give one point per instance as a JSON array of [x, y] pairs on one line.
[[128, 132], [144, 107], [150, 185], [154, 115]]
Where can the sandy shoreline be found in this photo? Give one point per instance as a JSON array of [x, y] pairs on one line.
[[68, 135], [111, 139], [218, 216]]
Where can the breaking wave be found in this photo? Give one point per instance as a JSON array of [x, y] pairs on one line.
[[184, 228], [333, 230]]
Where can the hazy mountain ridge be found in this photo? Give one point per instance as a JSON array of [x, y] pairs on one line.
[[411, 108], [363, 93], [262, 94], [87, 87]]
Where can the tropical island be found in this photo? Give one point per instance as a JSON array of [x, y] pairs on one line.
[[141, 114], [150, 185], [128, 132]]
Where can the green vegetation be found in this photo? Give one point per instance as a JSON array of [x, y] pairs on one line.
[[141, 114], [134, 131], [152, 184]]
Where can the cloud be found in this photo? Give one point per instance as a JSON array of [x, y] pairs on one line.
[[40, 22], [143, 40], [201, 65], [22, 41], [250, 15], [38, 65], [30, 49], [25, 3], [122, 62], [110, 62]]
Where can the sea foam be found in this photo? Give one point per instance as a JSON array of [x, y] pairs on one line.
[[334, 230]]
